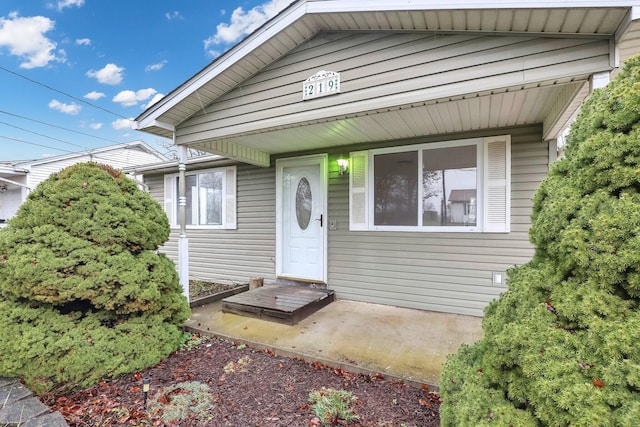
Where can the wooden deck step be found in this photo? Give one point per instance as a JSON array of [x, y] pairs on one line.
[[286, 304]]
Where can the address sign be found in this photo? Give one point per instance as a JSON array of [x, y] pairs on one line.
[[322, 83]]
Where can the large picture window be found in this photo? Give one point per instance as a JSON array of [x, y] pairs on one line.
[[210, 198], [450, 186]]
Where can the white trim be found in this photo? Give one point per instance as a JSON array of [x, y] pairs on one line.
[[322, 161], [486, 179], [329, 6], [497, 183], [359, 191], [268, 30]]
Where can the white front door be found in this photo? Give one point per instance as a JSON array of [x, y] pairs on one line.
[[301, 218]]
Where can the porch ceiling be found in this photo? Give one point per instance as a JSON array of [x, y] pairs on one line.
[[550, 102], [514, 106]]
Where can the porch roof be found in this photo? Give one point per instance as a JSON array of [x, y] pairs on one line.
[[551, 100]]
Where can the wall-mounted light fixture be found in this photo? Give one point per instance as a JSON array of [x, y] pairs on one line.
[[343, 166]]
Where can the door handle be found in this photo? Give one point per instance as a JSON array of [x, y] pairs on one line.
[[320, 219]]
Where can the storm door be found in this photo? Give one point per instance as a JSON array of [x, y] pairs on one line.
[[301, 218]]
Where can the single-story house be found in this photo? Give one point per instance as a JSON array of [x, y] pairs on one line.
[[339, 128], [18, 178]]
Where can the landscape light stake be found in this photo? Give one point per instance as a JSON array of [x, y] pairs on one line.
[[145, 391]]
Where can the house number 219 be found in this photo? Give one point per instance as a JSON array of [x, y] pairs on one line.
[[320, 84]]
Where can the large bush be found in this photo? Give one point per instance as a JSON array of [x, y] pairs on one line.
[[84, 294], [562, 346]]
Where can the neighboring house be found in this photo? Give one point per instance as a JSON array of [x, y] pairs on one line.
[[426, 99], [18, 178]]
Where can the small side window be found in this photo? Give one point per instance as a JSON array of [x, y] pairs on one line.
[[209, 195]]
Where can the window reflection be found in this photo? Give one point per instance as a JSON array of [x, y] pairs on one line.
[[396, 188], [204, 198], [449, 187], [449, 181]]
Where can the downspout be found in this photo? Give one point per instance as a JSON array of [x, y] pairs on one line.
[[183, 242]]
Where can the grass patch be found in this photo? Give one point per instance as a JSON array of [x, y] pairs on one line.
[[332, 406], [182, 401]]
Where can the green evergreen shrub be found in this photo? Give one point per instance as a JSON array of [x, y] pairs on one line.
[[84, 294], [562, 346]]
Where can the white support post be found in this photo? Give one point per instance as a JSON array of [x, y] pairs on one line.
[[183, 242]]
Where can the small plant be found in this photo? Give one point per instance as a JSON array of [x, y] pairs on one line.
[[332, 406], [190, 341], [239, 366], [182, 401]]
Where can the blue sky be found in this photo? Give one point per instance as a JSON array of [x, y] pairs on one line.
[[73, 71]]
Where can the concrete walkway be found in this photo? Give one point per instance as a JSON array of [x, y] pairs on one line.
[[19, 407], [359, 337]]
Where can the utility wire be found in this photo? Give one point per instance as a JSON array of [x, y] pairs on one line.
[[33, 143], [57, 127], [61, 92], [40, 134]]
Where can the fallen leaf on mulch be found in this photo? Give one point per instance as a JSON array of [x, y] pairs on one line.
[[275, 387]]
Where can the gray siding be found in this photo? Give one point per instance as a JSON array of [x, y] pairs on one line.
[[234, 255], [384, 70], [447, 272]]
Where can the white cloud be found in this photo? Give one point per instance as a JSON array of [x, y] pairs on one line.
[[94, 95], [156, 98], [83, 42], [71, 109], [243, 23], [127, 98], [155, 67], [111, 74], [96, 126], [173, 15], [68, 3], [122, 124], [25, 38]]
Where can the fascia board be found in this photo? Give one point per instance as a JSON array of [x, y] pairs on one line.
[[226, 60], [329, 6]]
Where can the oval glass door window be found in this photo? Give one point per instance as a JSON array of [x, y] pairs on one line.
[[303, 203]]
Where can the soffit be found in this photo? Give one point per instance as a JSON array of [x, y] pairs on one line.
[[509, 107], [226, 73]]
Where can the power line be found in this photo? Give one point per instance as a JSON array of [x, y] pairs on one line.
[[57, 127], [61, 92], [33, 143], [40, 134]]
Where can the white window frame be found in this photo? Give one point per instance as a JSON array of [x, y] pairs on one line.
[[493, 177], [228, 198]]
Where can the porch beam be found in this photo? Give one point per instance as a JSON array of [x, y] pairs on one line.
[[562, 108]]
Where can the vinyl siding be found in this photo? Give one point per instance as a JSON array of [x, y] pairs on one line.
[[447, 272], [385, 70], [234, 255]]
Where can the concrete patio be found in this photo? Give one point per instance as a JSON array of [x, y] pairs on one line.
[[359, 337]]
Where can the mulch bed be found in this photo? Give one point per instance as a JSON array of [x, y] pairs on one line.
[[264, 390], [202, 288]]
